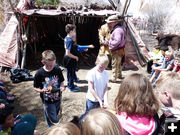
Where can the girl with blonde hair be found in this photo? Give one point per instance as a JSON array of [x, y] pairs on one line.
[[67, 128], [100, 122]]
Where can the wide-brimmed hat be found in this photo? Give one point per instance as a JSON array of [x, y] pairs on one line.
[[112, 18]]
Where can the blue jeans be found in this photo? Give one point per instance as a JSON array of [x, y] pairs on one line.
[[89, 106], [51, 112], [1, 84], [71, 76]]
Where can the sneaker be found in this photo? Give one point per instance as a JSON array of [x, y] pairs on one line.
[[77, 80], [120, 77], [10, 98], [112, 80], [74, 89], [74, 86], [154, 85]]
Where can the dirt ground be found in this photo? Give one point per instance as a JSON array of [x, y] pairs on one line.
[[73, 104]]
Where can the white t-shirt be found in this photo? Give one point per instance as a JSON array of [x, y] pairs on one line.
[[99, 80]]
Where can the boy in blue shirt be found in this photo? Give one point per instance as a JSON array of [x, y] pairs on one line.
[[71, 55]]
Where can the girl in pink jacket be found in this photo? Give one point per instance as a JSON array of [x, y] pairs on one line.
[[136, 106]]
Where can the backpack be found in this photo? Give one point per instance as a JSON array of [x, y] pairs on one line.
[[18, 75]]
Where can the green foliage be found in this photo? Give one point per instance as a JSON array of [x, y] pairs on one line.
[[47, 2], [40, 2]]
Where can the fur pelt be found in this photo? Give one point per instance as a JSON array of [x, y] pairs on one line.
[[166, 40]]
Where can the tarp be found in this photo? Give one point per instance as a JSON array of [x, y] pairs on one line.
[[135, 54], [8, 44]]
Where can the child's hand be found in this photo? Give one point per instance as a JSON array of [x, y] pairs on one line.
[[155, 61], [76, 58], [91, 46], [2, 105], [45, 90], [105, 42], [62, 88], [102, 105], [155, 68], [105, 105], [85, 50]]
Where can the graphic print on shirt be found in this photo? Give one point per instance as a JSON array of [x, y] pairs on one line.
[[51, 82]]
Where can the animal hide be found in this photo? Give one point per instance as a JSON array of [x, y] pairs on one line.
[[166, 40]]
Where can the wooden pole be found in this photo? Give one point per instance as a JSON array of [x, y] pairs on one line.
[[12, 7], [17, 54], [24, 56], [124, 8], [112, 3]]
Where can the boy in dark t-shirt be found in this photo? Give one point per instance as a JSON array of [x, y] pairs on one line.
[[48, 81]]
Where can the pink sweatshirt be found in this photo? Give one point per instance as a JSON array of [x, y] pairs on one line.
[[117, 39], [137, 125]]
